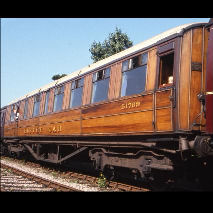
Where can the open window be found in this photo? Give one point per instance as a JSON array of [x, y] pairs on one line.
[[166, 64], [166, 70], [14, 115]]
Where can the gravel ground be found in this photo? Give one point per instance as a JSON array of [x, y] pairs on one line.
[[16, 183], [42, 173]]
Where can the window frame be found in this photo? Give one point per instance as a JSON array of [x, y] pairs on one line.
[[26, 108], [35, 101], [56, 88], [94, 80], [168, 47], [165, 53], [75, 86], [46, 103], [12, 114], [129, 70]]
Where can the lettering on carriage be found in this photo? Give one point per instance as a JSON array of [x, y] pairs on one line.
[[130, 105], [55, 129], [33, 130]]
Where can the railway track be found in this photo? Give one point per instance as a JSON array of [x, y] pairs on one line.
[[31, 181], [93, 180], [117, 186]]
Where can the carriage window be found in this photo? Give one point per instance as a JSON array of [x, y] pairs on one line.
[[25, 109], [13, 112], [134, 75], [46, 102], [36, 107], [166, 70], [100, 85], [58, 98], [76, 93]]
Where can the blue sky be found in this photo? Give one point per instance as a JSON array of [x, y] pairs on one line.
[[35, 49]]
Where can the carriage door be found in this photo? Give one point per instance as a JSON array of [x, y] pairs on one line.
[[3, 113], [165, 93]]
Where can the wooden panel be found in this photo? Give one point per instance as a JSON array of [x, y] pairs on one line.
[[30, 107], [197, 36], [163, 98], [195, 104], [21, 109], [151, 69], [61, 116], [30, 123], [42, 103], [87, 90], [51, 100], [163, 119], [132, 122], [66, 99], [184, 81], [196, 78], [122, 106], [118, 79], [10, 130], [65, 128], [62, 123], [7, 118], [112, 83]]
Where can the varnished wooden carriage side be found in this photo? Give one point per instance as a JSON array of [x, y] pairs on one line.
[[168, 109]]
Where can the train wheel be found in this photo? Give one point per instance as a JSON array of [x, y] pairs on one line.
[[109, 172]]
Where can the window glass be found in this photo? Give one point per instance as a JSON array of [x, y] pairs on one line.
[[134, 78], [125, 65], [37, 100], [76, 97], [58, 98], [100, 85], [13, 112], [46, 102], [107, 73], [76, 93], [100, 90], [144, 58], [25, 109], [133, 81]]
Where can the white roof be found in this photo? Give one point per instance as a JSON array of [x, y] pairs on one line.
[[121, 54]]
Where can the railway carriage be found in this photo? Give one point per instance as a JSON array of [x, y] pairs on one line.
[[147, 109]]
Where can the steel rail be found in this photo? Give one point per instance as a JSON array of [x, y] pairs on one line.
[[94, 180], [41, 180]]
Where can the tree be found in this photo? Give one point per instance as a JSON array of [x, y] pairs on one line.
[[115, 43], [56, 77]]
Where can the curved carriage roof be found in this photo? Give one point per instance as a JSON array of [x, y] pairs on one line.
[[132, 50]]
